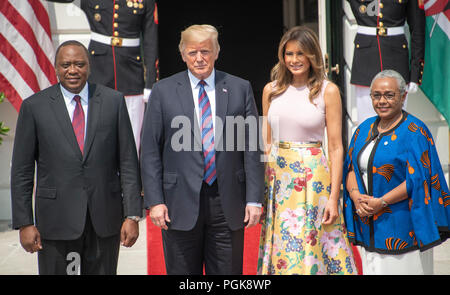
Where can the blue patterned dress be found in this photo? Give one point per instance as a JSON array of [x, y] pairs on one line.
[[405, 153]]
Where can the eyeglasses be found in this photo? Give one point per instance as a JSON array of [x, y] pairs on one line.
[[387, 95]]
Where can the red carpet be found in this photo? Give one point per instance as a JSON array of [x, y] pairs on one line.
[[155, 256]]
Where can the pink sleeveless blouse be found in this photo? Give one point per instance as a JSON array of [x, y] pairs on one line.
[[295, 118]]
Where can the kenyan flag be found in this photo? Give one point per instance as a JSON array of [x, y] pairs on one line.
[[436, 76]]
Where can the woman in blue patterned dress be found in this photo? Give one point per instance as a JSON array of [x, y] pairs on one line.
[[396, 198]]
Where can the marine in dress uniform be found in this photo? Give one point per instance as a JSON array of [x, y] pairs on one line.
[[119, 29], [381, 44]]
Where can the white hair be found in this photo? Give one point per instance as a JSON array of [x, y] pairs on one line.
[[401, 84]]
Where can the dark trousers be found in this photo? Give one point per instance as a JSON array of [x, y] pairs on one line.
[[210, 244], [91, 254]]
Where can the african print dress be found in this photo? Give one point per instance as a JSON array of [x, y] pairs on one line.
[[407, 152]]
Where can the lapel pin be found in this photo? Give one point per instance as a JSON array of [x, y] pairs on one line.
[[224, 90]]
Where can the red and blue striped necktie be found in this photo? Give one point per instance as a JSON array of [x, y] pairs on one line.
[[209, 153], [78, 122]]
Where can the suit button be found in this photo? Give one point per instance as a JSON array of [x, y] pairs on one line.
[[93, 52]]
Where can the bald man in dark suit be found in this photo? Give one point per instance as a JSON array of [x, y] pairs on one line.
[[78, 136]]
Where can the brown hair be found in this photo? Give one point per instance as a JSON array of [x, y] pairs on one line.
[[309, 44]]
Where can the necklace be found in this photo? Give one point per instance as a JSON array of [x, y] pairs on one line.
[[388, 125]]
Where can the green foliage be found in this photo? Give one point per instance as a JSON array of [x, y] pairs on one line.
[[3, 129]]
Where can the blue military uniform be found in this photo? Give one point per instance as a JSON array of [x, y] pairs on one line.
[[380, 43], [120, 28]]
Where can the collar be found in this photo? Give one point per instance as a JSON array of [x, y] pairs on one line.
[[84, 93], [375, 132], [210, 80]]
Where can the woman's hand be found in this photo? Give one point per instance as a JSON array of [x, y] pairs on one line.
[[376, 204], [362, 205], [331, 212]]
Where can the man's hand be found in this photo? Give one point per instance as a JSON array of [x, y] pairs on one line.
[[129, 232], [159, 215], [30, 238], [252, 215]]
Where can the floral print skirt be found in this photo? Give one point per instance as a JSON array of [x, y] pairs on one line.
[[293, 238]]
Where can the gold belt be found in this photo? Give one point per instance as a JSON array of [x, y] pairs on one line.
[[288, 145]]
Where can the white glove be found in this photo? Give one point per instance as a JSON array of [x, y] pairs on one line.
[[412, 87], [146, 95]]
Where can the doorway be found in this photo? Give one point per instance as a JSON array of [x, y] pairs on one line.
[[249, 33]]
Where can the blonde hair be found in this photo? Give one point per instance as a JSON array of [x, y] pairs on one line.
[[310, 47], [199, 33]]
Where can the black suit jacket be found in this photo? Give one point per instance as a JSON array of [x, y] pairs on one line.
[[105, 179], [174, 177]]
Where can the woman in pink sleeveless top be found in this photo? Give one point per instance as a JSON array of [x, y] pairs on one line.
[[302, 228]]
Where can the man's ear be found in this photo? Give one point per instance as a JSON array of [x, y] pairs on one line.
[[182, 56], [217, 54]]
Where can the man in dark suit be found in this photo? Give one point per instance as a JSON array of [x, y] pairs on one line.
[[79, 137], [202, 188]]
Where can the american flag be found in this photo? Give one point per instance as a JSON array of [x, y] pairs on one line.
[[26, 49]]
